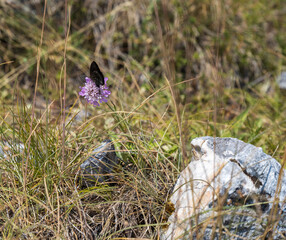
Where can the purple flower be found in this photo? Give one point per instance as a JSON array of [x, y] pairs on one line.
[[93, 94]]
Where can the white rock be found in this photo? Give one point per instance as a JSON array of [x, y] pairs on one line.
[[241, 173]]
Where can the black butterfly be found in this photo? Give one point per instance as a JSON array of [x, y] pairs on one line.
[[96, 75]]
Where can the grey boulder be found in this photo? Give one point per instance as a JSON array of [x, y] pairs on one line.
[[100, 165]]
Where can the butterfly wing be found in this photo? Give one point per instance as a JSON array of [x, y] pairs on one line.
[[96, 75]]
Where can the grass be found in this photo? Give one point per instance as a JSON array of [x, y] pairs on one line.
[[177, 70]]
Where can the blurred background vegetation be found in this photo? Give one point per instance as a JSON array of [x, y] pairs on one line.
[[177, 69]]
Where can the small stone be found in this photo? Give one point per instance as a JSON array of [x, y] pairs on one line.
[[281, 80]]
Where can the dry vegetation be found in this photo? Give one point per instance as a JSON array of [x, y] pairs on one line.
[[177, 70]]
